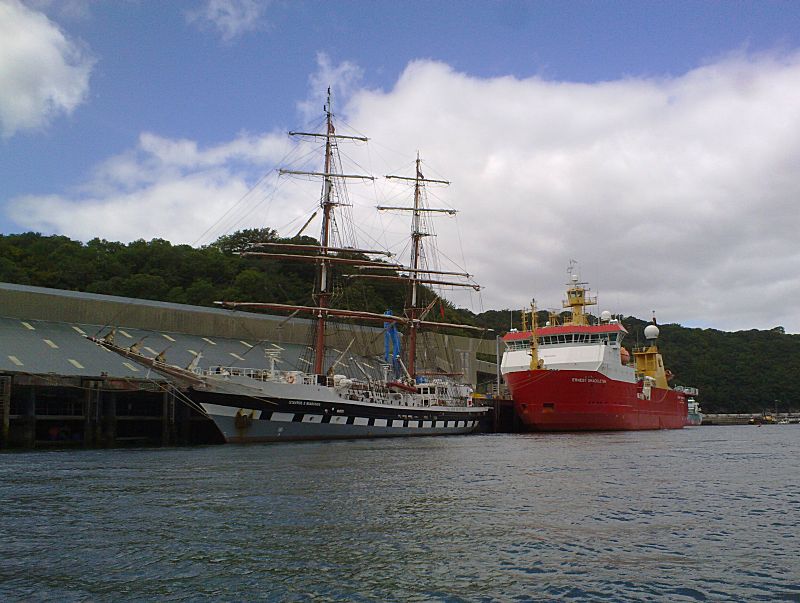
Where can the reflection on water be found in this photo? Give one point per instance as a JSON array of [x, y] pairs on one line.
[[701, 513]]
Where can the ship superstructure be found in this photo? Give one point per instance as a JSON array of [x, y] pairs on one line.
[[694, 415]]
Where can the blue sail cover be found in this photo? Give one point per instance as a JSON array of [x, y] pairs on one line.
[[391, 344]]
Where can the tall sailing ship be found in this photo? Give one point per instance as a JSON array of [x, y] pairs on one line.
[[258, 405], [577, 376]]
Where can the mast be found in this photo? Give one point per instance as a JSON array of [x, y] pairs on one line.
[[324, 258], [577, 297], [536, 362], [416, 245], [328, 254], [415, 270], [324, 294]]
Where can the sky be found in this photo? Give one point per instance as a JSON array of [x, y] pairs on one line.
[[655, 143]]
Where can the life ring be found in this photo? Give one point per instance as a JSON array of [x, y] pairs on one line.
[[290, 379]]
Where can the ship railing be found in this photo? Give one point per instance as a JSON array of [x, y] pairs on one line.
[[252, 373], [231, 370]]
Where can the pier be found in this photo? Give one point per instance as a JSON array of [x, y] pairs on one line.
[[765, 418], [40, 411]]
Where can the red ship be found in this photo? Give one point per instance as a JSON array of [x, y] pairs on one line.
[[577, 376]]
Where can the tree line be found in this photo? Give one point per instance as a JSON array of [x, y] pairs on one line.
[[745, 371]]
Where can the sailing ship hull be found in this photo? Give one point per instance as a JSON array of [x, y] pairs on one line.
[[243, 419], [567, 400]]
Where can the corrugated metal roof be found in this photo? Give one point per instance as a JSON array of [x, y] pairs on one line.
[[133, 301], [52, 342], [42, 347]]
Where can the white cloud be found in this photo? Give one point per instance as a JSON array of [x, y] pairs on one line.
[[229, 18], [163, 188], [343, 80], [675, 194], [42, 72]]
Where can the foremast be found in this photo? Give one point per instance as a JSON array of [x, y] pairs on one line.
[[327, 203], [324, 255], [536, 362], [324, 293]]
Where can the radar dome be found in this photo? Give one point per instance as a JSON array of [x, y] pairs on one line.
[[651, 332], [605, 315]]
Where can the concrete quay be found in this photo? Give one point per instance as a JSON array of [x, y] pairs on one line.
[[750, 418]]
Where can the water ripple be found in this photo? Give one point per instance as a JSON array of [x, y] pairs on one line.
[[694, 515]]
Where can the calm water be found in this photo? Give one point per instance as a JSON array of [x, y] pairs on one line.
[[707, 513]]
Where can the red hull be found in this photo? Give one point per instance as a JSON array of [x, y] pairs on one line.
[[589, 401]]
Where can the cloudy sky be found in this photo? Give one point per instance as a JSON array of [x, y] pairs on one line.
[[656, 143]]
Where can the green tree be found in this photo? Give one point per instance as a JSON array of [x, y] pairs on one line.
[[241, 240]]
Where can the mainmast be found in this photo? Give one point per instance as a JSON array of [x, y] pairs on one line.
[[414, 311]]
